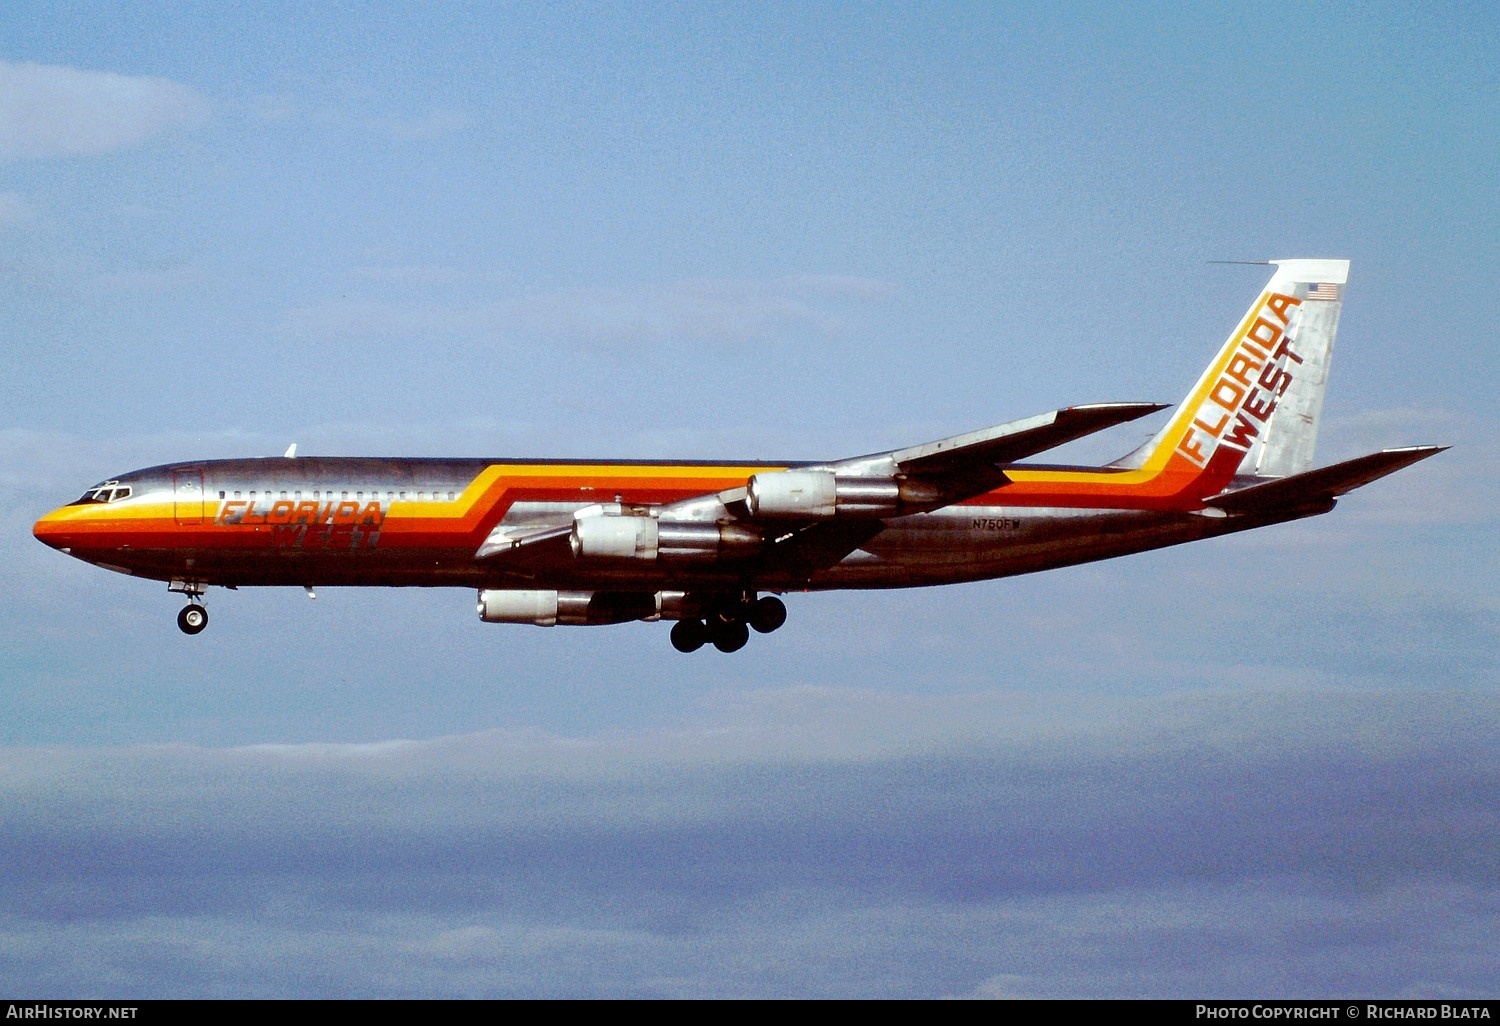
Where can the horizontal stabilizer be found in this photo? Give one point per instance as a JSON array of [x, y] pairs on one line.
[[1321, 485], [1016, 440]]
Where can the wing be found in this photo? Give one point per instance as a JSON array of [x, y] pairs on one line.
[[812, 517], [795, 522], [1017, 440], [971, 464]]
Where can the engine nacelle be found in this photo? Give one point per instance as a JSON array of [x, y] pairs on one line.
[[616, 538], [820, 494], [569, 608], [646, 538]]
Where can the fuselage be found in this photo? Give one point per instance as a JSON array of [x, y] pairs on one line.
[[328, 521]]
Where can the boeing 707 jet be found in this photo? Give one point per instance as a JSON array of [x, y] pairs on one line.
[[710, 545]]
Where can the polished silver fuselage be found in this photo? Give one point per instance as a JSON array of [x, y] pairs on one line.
[[190, 537]]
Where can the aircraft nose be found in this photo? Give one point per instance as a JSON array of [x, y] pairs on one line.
[[52, 530]]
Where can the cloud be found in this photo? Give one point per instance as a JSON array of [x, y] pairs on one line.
[[808, 843], [56, 111]]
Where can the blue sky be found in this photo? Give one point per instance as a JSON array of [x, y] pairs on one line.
[[1260, 766]]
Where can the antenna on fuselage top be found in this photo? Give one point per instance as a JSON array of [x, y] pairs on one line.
[[291, 451]]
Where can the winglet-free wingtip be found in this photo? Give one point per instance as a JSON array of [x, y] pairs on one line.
[[1106, 415], [1128, 410], [1322, 485]]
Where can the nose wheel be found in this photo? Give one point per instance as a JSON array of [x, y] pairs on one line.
[[192, 619]]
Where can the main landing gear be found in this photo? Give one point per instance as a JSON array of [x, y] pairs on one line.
[[728, 629], [193, 617]]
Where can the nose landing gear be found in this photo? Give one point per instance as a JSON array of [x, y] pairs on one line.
[[193, 617]]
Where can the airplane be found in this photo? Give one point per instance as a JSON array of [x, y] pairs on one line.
[[710, 545]]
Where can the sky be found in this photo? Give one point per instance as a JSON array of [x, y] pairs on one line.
[[1259, 766]]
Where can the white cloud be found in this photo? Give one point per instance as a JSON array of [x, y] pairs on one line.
[[1273, 844], [56, 111], [285, 940], [511, 776]]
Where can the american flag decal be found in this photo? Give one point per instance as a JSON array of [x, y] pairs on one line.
[[1324, 290]]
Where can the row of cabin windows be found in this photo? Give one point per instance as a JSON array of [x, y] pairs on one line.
[[357, 496]]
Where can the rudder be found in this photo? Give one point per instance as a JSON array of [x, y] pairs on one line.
[[1291, 433]]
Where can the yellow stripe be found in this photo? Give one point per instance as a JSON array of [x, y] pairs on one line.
[[1189, 408], [602, 473], [459, 507]]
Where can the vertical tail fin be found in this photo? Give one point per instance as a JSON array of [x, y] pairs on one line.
[[1255, 409], [1286, 445]]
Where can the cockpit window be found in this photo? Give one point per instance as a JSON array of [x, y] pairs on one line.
[[109, 491]]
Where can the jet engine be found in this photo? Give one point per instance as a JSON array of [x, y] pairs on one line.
[[646, 538], [570, 608], [820, 494]]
